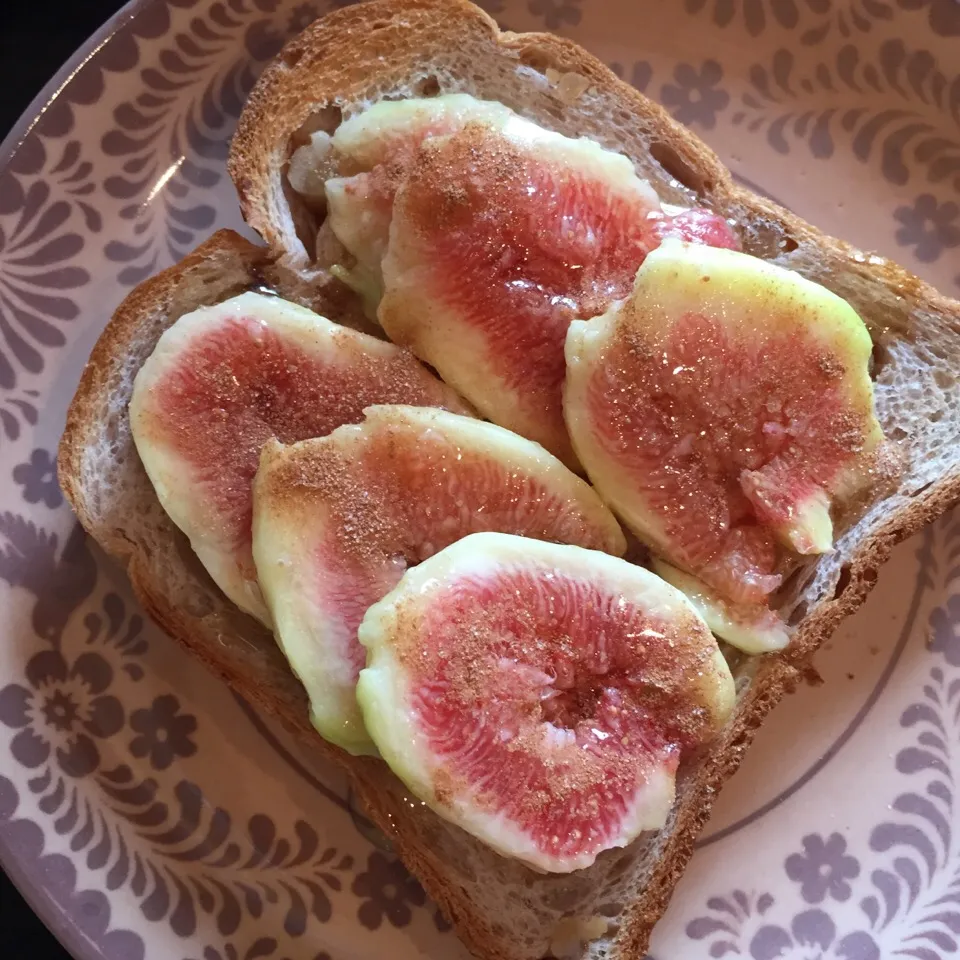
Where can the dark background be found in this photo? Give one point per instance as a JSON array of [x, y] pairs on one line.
[[36, 37]]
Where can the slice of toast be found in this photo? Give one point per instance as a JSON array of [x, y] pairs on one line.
[[397, 48]]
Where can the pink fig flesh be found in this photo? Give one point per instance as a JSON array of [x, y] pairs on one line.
[[498, 242], [225, 380], [541, 696], [339, 519]]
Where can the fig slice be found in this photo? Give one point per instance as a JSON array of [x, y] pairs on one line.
[[754, 628], [724, 410], [540, 696], [338, 520], [500, 237], [375, 149], [225, 379]]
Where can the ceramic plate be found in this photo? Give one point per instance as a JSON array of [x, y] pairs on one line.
[[145, 812]]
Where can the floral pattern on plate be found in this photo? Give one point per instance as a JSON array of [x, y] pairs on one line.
[[148, 813]]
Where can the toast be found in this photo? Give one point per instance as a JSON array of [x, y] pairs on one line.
[[395, 48]]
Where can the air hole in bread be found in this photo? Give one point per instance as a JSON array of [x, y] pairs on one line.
[[564, 900], [378, 25], [677, 168], [843, 581], [305, 221], [798, 613], [610, 909], [897, 433], [794, 584], [944, 379], [879, 358], [291, 56], [536, 59], [787, 244], [428, 87], [938, 351], [327, 119], [767, 239], [621, 866], [869, 575]]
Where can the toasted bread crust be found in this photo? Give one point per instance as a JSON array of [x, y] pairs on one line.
[[225, 252], [338, 61], [358, 54]]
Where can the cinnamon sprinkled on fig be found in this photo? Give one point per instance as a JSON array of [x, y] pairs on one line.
[[397, 488], [242, 382], [519, 651]]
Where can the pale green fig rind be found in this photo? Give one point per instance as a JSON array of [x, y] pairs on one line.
[[355, 144], [751, 638], [366, 284], [385, 688], [584, 340], [297, 623], [517, 451], [356, 138], [812, 531], [282, 534], [741, 288], [167, 471], [410, 314]]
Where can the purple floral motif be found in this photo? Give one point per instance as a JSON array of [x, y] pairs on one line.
[[945, 631], [756, 13], [812, 936], [27, 553], [556, 13], [246, 872], [72, 174], [696, 96], [117, 56], [944, 15], [28, 559], [918, 841], [163, 733], [36, 270], [174, 135], [64, 711], [823, 868], [38, 477], [87, 912], [641, 74], [729, 916], [387, 891], [261, 949], [18, 407], [112, 627], [929, 226], [911, 909], [903, 138]]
